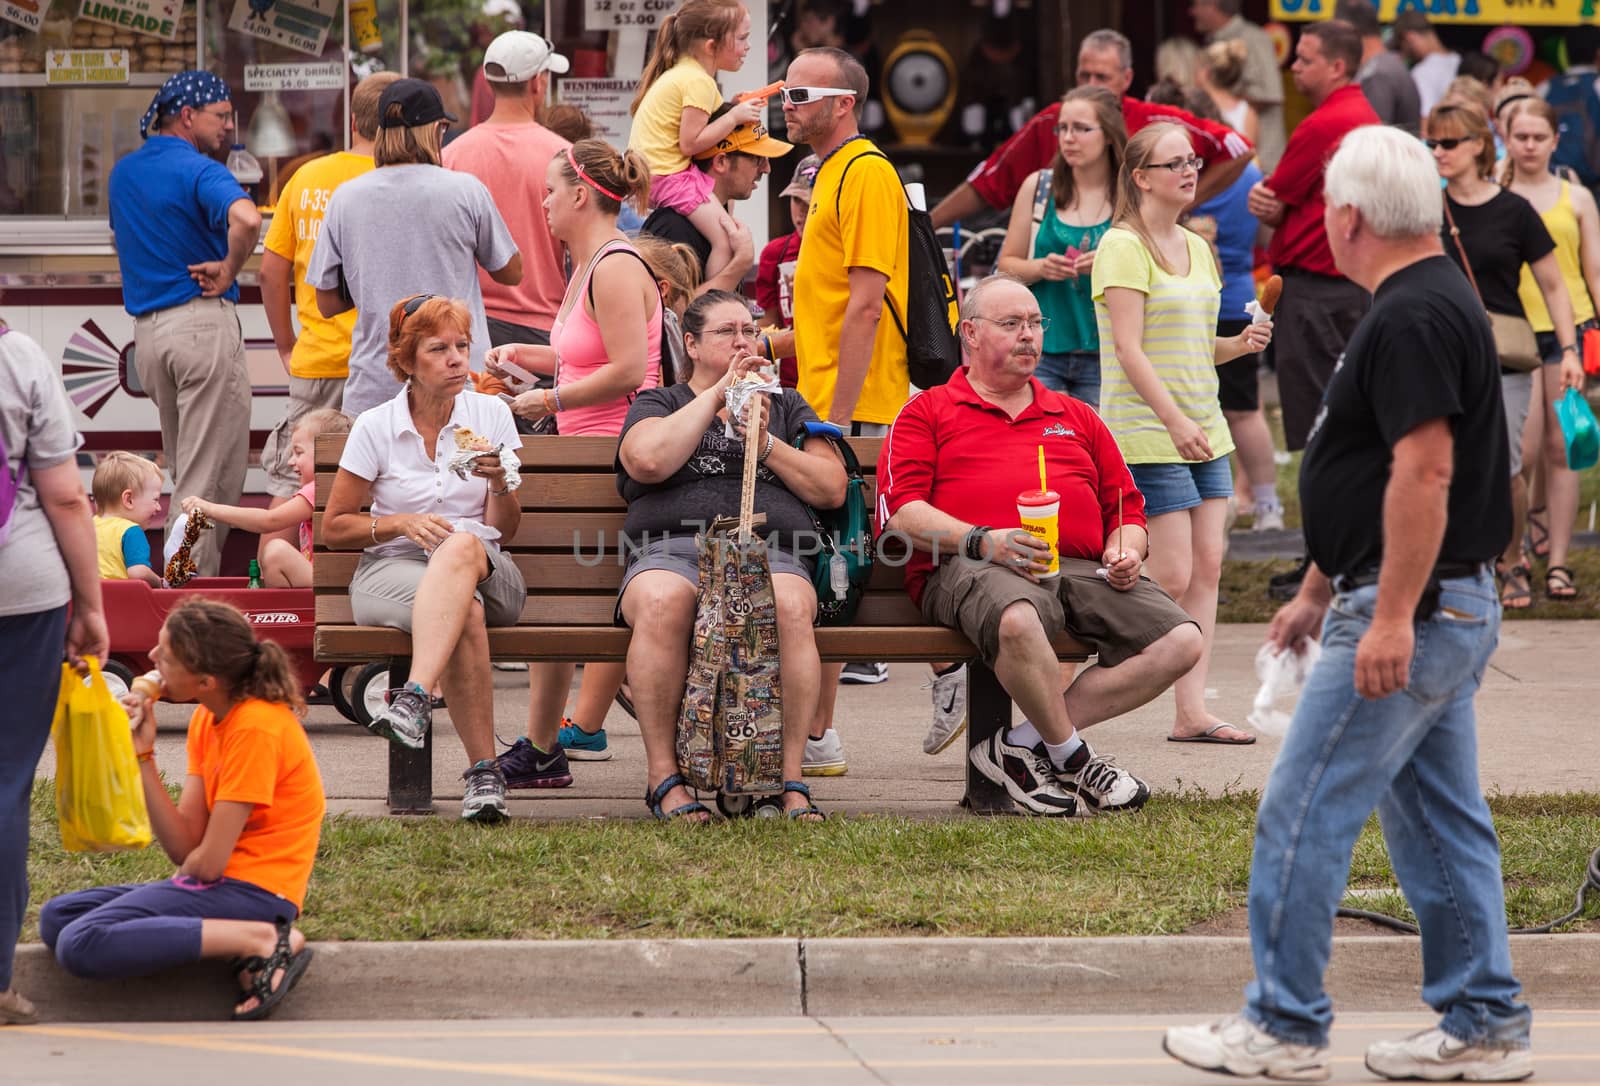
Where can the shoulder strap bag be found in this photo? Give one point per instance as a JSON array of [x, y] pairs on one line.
[[1514, 341]]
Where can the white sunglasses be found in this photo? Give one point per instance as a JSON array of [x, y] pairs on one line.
[[799, 96]]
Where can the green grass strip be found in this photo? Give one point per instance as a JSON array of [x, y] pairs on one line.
[[1184, 860]]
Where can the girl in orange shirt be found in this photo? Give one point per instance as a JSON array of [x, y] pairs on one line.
[[243, 833]]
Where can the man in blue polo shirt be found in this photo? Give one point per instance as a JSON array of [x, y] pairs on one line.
[[183, 229]]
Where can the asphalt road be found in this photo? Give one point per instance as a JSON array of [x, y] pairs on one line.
[[701, 1052]]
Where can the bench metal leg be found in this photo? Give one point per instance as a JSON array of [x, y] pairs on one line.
[[410, 771], [988, 711]]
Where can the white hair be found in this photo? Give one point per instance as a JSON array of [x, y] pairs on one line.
[[1390, 178], [1109, 40]]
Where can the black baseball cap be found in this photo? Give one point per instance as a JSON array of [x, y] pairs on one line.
[[419, 104]]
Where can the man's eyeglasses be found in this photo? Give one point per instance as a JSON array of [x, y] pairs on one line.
[[1447, 144], [1013, 325], [728, 331], [799, 96], [1077, 129], [1180, 165], [226, 116]]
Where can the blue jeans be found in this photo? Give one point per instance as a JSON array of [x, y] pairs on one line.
[[1077, 373], [1413, 756], [31, 649]]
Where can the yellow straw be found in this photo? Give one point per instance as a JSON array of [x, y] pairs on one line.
[[1042, 485]]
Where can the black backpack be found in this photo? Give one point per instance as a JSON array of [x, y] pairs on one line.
[[929, 323]]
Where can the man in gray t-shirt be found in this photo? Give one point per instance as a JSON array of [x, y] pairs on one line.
[[408, 227], [1383, 76]]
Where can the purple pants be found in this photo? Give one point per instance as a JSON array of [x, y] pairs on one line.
[[112, 932]]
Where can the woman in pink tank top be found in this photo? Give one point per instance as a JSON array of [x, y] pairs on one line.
[[605, 347]]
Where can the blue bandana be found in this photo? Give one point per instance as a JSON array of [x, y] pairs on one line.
[[192, 88]]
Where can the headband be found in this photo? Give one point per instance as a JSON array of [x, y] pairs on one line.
[[586, 179], [193, 89]]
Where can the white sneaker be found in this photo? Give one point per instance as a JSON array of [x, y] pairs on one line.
[[1101, 785], [1435, 1056], [1268, 518], [824, 757], [1236, 1046], [949, 710]]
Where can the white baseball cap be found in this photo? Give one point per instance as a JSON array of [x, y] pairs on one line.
[[518, 55]]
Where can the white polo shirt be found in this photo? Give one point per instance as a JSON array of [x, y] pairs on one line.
[[385, 448]]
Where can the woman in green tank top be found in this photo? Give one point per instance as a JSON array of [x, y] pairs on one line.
[[1059, 216]]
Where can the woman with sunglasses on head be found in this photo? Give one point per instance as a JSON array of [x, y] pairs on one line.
[[605, 349], [678, 471], [408, 226], [1157, 290], [1568, 212], [432, 564], [1499, 232], [1054, 257]]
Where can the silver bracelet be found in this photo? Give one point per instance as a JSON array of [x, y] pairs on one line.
[[767, 451], [375, 529], [556, 391]]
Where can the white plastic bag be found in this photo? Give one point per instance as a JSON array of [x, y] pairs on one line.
[[1282, 674]]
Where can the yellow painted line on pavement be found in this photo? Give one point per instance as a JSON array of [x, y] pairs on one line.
[[955, 1027], [500, 1070]]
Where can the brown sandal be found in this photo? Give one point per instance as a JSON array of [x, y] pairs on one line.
[[1516, 589], [1559, 585]]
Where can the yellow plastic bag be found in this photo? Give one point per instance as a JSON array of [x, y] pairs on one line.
[[99, 796]]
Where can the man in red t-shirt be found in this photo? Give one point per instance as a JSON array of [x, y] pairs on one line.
[[951, 469], [1104, 60], [1320, 308]]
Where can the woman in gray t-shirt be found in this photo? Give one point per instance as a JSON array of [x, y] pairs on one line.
[[47, 559], [676, 466]]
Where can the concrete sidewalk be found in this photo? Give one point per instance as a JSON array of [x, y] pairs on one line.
[[1537, 709]]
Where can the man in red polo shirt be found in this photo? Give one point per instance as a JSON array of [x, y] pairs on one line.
[[1104, 60], [1320, 308], [955, 460]]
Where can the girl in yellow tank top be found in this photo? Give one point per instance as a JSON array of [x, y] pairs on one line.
[[1570, 215]]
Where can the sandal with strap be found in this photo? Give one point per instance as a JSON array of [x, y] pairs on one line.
[[291, 965], [654, 796], [1537, 537], [1559, 585], [1516, 589], [775, 803]]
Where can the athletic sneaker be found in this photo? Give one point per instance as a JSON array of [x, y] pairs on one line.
[[1268, 518], [485, 798], [859, 674], [1025, 773], [824, 757], [582, 746], [1100, 784], [407, 717], [1435, 1056], [949, 710], [526, 766], [1237, 1046]]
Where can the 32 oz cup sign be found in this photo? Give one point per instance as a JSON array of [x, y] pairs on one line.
[[626, 14]]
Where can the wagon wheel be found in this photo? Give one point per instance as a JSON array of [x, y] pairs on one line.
[[341, 683], [118, 676], [735, 806]]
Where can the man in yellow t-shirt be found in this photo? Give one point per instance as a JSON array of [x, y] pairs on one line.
[[853, 258], [318, 360]]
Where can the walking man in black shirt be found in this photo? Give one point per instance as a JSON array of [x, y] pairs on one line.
[[1406, 500]]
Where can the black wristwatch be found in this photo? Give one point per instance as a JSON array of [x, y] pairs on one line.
[[976, 542]]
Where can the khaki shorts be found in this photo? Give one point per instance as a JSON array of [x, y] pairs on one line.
[[384, 589], [971, 596], [306, 394]]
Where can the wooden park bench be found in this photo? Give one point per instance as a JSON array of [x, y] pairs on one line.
[[569, 492]]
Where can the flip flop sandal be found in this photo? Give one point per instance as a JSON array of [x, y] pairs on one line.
[[1559, 585], [1210, 735], [1516, 591], [1538, 533], [771, 806], [654, 796], [293, 967]]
